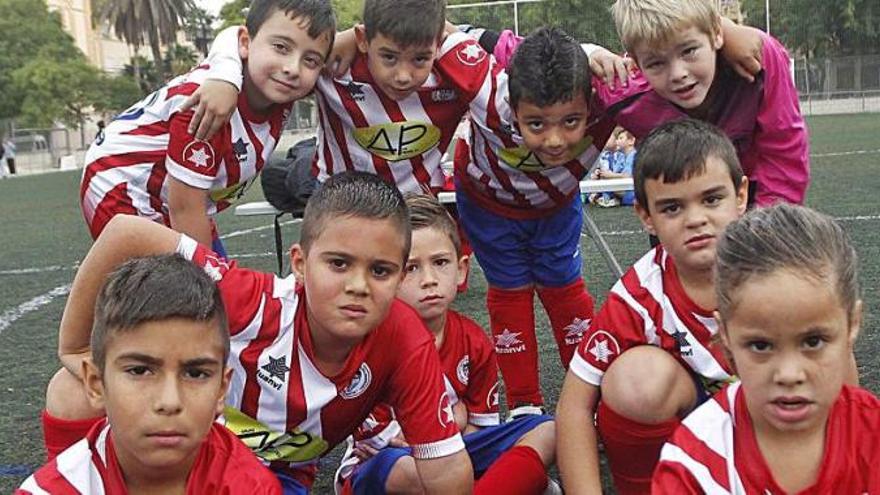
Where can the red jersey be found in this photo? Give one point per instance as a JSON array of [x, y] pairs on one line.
[[127, 167], [285, 409], [223, 465], [648, 305], [715, 449]]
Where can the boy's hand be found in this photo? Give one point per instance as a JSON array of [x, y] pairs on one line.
[[216, 102], [608, 65], [344, 51], [73, 362], [742, 48]]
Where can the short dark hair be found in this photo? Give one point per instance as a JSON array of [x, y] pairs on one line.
[[359, 195], [549, 67], [678, 150], [407, 22], [155, 288], [426, 212], [318, 13]]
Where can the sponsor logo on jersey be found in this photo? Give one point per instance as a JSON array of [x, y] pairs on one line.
[[524, 160], [681, 342], [356, 91], [396, 141], [359, 383], [463, 370], [508, 342], [200, 154], [441, 95], [470, 54], [231, 193], [270, 445], [603, 346], [274, 373], [444, 410], [240, 148], [574, 332]]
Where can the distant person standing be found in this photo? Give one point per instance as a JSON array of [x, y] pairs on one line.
[[9, 155]]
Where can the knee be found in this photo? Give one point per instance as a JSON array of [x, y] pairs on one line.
[[66, 398], [542, 439], [648, 385], [404, 478]]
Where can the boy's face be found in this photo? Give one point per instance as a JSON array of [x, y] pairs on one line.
[[688, 216], [282, 62], [398, 71], [625, 141], [164, 383], [433, 273], [791, 340], [553, 133], [683, 69], [351, 274]]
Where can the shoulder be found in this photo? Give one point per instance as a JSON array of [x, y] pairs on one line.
[[860, 407], [403, 327]]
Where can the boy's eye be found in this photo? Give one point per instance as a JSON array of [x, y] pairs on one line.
[[280, 47], [535, 125], [197, 374], [380, 271], [388, 59], [689, 51], [671, 209], [313, 62], [411, 268], [759, 346], [654, 65], [337, 263], [814, 342], [713, 199], [441, 262], [572, 121], [137, 370]]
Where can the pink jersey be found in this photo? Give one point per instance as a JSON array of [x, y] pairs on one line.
[[223, 465], [127, 168], [648, 305], [715, 450], [285, 409], [361, 128], [763, 120]]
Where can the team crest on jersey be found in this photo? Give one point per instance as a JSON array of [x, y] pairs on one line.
[[463, 370], [508, 342], [603, 346], [524, 160], [240, 148], [444, 410], [359, 383], [681, 342], [574, 332], [471, 54], [441, 95], [200, 154], [274, 373], [396, 141]]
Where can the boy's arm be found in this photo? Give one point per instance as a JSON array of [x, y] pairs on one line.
[[577, 454], [742, 48], [216, 98], [125, 237], [186, 207], [444, 475]]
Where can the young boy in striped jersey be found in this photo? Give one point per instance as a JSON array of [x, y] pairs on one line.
[[158, 368], [147, 163], [508, 457], [789, 313], [310, 352]]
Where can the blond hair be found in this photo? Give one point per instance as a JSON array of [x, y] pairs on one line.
[[655, 22]]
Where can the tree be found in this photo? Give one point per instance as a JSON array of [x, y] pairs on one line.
[[232, 14], [197, 25], [151, 22], [180, 59], [348, 13]]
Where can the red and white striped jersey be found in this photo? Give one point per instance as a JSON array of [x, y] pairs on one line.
[[90, 466], [648, 305], [285, 409], [715, 450], [498, 172], [127, 167]]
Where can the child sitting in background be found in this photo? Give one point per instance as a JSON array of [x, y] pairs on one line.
[[158, 369], [620, 167], [789, 313]]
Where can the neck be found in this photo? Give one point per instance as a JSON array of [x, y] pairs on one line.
[[257, 103], [330, 353], [437, 327], [699, 285], [145, 480]]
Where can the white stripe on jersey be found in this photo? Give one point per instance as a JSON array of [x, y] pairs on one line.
[[318, 391], [700, 472], [236, 346], [272, 402]]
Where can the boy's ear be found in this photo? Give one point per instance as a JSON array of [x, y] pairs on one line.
[[93, 383], [298, 262], [244, 43], [645, 218], [718, 39], [224, 389], [464, 267], [742, 196], [360, 36], [855, 324]]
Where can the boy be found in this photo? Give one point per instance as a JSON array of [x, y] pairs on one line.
[[621, 166], [158, 368], [533, 138], [146, 163], [789, 313], [309, 352], [508, 458], [649, 351]]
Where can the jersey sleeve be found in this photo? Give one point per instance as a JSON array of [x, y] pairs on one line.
[[674, 478], [782, 170], [242, 290], [614, 330], [418, 395], [223, 60], [481, 396], [193, 161], [464, 64]]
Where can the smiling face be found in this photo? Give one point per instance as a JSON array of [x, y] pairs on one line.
[[433, 274], [282, 62], [398, 70], [163, 384], [351, 273], [553, 133], [688, 216], [682, 69], [791, 340]]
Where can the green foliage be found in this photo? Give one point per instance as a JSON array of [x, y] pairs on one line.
[[232, 14], [348, 13], [55, 89], [180, 59], [119, 93]]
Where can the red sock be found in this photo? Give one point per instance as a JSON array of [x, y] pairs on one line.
[[59, 434], [632, 448], [512, 318], [518, 471], [570, 309]]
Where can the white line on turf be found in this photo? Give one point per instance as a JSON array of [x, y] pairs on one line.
[[11, 315], [238, 233], [27, 271], [844, 153]]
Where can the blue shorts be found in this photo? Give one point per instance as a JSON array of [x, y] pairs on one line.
[[484, 447], [515, 253], [290, 486]]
